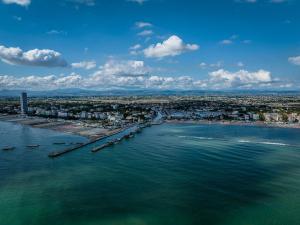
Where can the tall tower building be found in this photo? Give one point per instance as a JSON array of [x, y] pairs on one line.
[[23, 102]]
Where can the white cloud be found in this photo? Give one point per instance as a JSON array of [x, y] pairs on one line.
[[240, 64], [226, 42], [41, 82], [145, 33], [135, 47], [18, 2], [246, 1], [134, 50], [295, 60], [130, 68], [217, 64], [84, 65], [35, 57], [202, 65], [54, 32], [242, 78], [143, 24], [171, 47], [135, 74], [138, 1]]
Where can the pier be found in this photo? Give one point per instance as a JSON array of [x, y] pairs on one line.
[[77, 146]]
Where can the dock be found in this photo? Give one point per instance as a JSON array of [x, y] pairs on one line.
[[80, 145], [96, 149]]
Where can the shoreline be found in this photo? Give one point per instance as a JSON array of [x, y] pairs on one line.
[[235, 123], [67, 127]]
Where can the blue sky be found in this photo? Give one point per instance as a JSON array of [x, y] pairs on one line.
[[159, 44]]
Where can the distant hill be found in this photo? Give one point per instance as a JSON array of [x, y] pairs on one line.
[[82, 92]]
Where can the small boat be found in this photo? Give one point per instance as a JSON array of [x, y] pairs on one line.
[[59, 143], [7, 148], [32, 146], [110, 143]]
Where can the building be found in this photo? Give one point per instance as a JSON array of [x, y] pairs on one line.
[[23, 103]]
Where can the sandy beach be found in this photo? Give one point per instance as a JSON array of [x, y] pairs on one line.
[[71, 127]]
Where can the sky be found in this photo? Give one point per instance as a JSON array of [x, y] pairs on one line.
[[150, 44]]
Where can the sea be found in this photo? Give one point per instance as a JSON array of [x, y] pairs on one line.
[[171, 174]]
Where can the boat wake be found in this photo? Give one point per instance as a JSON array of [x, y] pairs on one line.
[[263, 142], [239, 141], [196, 137]]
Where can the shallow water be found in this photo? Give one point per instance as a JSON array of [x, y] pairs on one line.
[[168, 174]]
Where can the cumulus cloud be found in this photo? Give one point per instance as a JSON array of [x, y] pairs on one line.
[[130, 68], [242, 78], [18, 2], [41, 82], [171, 47], [35, 57], [84, 65], [134, 74], [295, 60]]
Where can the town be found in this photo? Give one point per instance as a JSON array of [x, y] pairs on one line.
[[118, 112]]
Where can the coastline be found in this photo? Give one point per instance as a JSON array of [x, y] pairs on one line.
[[68, 127], [236, 123]]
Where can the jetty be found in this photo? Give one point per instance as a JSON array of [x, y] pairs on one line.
[[80, 145]]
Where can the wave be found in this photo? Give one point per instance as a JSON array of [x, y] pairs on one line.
[[244, 141], [196, 137], [273, 143], [239, 141], [263, 142]]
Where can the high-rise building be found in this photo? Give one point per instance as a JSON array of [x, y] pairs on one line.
[[23, 102]]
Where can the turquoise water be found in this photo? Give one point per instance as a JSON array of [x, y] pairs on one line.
[[168, 174]]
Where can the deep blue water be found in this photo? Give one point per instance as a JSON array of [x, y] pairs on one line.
[[168, 174]]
